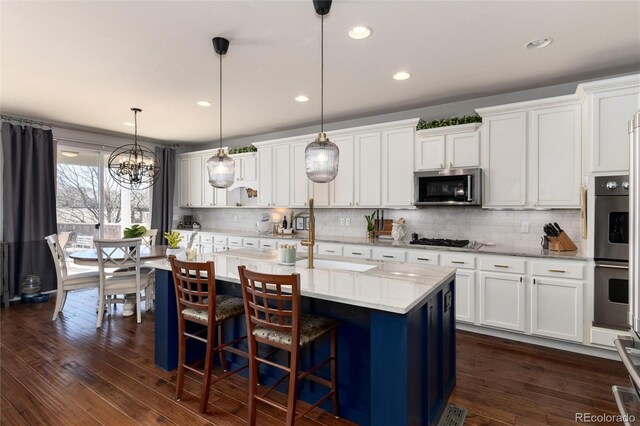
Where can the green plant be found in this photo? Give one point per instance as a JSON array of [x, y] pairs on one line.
[[173, 239], [243, 149], [370, 218], [134, 231], [453, 121]]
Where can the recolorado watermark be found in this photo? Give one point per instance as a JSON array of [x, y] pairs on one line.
[[604, 418]]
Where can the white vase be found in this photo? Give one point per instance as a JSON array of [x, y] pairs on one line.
[[173, 251]]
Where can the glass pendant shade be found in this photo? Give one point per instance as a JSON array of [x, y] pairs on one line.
[[321, 159], [222, 170]]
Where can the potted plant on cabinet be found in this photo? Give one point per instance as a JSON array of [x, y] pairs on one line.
[[173, 239]]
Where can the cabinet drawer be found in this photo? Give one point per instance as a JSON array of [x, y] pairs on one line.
[[268, 244], [503, 264], [423, 257], [566, 269], [251, 242], [330, 249], [459, 260], [204, 238], [220, 240], [389, 254], [235, 242], [357, 252]]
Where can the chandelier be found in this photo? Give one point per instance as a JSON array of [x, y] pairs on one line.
[[134, 166]]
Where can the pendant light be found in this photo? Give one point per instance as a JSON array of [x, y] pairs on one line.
[[221, 167], [134, 166], [321, 156]]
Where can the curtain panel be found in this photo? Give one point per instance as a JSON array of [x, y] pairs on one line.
[[162, 204], [29, 206]]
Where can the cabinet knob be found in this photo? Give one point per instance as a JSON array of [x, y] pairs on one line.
[[450, 164], [357, 203], [442, 165]]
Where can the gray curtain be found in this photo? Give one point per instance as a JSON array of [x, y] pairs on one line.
[[29, 207], [162, 206]]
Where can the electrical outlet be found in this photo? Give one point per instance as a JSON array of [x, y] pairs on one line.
[[342, 221], [524, 227], [235, 218], [200, 217], [348, 221]]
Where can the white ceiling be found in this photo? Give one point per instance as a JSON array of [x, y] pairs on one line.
[[87, 62]]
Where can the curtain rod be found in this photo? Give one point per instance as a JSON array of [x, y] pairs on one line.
[[25, 120]]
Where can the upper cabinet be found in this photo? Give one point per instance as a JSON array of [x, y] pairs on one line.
[[397, 174], [608, 106], [265, 176], [368, 179], [447, 147], [195, 189], [341, 188], [531, 154]]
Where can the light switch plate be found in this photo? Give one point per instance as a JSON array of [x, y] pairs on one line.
[[524, 227], [348, 221]]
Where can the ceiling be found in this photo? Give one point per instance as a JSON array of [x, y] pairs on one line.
[[86, 63]]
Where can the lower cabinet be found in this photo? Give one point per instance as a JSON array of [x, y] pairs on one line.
[[465, 296], [556, 308], [502, 301]]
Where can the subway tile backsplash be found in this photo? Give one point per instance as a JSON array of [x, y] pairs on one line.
[[500, 227]]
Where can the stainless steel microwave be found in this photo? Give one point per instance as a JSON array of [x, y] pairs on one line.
[[450, 187]]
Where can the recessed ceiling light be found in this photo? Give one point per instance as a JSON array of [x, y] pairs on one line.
[[128, 123], [359, 32], [302, 98], [402, 75], [539, 43], [70, 153], [204, 103]]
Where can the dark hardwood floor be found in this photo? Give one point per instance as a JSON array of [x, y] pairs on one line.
[[67, 372]]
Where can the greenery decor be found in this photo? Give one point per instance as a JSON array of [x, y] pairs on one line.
[[242, 149], [370, 218], [173, 239], [135, 231], [453, 121]]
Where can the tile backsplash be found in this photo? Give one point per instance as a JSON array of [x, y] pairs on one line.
[[502, 227]]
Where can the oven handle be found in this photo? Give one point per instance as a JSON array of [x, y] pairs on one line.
[[622, 343], [617, 392], [606, 265]]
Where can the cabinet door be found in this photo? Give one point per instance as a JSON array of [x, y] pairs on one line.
[[282, 175], [465, 296], [249, 168], [556, 308], [555, 157], [343, 185], [429, 153], [184, 181], [397, 175], [208, 191], [195, 181], [220, 197], [237, 175], [504, 160], [320, 193], [368, 184], [502, 301], [463, 149], [265, 176], [609, 116], [299, 180]]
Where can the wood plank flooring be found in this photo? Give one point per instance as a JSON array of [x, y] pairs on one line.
[[67, 372]]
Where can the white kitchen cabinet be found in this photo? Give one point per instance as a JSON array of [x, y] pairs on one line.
[[195, 181], [608, 105], [429, 153], [342, 187], [555, 156], [281, 175], [299, 187], [557, 308], [184, 181], [465, 295], [368, 180], [502, 301], [246, 168], [463, 150], [448, 147], [397, 173], [320, 193], [265, 176], [504, 160], [395, 255]]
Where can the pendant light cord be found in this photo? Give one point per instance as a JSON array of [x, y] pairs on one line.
[[221, 101], [135, 123], [321, 73]]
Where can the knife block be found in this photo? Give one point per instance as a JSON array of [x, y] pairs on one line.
[[561, 243]]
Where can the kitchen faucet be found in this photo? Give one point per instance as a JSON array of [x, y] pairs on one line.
[[311, 240]]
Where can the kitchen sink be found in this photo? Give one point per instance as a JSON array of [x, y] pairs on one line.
[[332, 264]]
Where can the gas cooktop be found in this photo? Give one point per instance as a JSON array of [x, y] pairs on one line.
[[441, 242]]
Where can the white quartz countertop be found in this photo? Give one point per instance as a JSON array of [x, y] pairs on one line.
[[390, 287]]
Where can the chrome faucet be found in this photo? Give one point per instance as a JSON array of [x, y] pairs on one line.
[[311, 240]]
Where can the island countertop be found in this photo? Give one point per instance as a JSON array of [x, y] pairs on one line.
[[389, 287]]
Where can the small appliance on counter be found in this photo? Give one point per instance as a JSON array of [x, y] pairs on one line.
[[264, 224], [196, 225], [187, 221]]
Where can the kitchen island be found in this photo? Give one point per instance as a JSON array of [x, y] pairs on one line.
[[396, 340]]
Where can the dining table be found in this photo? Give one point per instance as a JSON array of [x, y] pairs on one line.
[[89, 257]]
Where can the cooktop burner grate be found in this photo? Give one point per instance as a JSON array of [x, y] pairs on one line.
[[442, 242]]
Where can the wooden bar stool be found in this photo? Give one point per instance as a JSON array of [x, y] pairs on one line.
[[272, 311], [197, 302]]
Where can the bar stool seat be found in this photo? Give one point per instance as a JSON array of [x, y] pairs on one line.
[[226, 307], [311, 327]]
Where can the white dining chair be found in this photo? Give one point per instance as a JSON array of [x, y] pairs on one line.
[[67, 282], [149, 238], [120, 272]]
